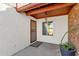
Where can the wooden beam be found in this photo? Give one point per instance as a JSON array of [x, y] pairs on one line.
[[57, 12], [49, 8], [51, 16], [30, 6]]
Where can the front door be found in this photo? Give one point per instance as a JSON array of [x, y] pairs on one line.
[[33, 31]]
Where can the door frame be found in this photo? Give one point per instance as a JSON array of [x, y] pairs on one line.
[[31, 30]]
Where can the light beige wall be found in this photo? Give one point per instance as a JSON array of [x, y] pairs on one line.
[[14, 30], [60, 27]]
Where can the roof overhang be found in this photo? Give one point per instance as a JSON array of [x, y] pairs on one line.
[[38, 10]]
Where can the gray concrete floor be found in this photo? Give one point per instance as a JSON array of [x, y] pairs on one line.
[[45, 49]]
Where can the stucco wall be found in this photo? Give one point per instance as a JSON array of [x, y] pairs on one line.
[[60, 27], [14, 30]]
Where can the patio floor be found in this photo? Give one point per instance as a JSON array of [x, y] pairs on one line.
[[45, 49]]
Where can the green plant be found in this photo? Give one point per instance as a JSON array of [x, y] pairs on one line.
[[68, 45]]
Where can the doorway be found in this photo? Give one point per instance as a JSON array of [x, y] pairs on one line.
[[33, 30]]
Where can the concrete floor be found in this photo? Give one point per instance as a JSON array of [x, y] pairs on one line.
[[45, 49]]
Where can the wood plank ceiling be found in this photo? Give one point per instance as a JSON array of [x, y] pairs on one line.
[[42, 10]]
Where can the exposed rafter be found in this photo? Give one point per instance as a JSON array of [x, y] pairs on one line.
[[38, 10], [31, 6], [49, 8], [57, 12]]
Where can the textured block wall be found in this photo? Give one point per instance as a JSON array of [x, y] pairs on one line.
[[73, 20]]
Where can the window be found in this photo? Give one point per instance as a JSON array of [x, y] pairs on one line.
[[48, 28]]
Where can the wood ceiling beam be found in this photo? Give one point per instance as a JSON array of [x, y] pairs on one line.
[[49, 8], [50, 16], [30, 6], [57, 12]]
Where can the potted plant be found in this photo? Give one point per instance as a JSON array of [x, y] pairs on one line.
[[68, 49]]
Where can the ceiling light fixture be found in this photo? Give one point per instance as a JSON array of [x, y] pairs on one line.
[[46, 19]]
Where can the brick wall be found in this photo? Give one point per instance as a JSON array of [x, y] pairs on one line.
[[73, 20]]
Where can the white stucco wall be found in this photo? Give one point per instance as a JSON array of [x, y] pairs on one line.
[[60, 27], [14, 30]]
